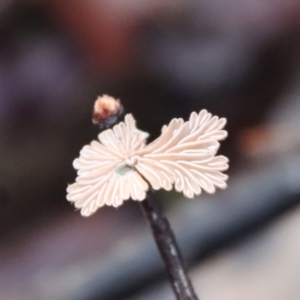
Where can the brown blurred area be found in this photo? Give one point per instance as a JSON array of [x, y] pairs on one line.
[[163, 59]]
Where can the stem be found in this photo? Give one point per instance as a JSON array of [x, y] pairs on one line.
[[168, 248]]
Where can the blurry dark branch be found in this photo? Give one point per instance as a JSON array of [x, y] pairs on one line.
[[255, 198]]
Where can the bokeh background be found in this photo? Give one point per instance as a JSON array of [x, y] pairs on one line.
[[163, 59]]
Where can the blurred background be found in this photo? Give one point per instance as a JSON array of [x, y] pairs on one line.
[[163, 59]]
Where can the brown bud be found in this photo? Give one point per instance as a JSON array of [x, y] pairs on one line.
[[106, 111]]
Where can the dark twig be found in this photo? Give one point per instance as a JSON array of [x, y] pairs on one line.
[[168, 248]]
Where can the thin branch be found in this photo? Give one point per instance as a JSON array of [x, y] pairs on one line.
[[168, 248]]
